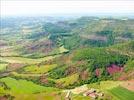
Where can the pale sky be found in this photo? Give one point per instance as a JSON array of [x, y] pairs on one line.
[[40, 7]]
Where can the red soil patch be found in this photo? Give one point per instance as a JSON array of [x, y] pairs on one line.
[[14, 66], [45, 46], [3, 98], [129, 85], [126, 76], [114, 69], [95, 37], [6, 97], [43, 79], [97, 72], [3, 43], [84, 75], [70, 70]]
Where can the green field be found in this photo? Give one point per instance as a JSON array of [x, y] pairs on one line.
[[23, 86], [113, 89], [27, 90], [122, 93]]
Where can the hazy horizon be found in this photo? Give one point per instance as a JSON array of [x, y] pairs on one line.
[[50, 8]]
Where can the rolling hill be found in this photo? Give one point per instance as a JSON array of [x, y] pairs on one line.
[[48, 57]]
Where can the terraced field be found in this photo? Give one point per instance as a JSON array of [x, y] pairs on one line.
[[26, 60], [21, 75], [39, 69], [68, 80]]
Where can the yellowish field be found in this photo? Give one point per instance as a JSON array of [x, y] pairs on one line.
[[39, 96], [3, 67], [26, 60], [39, 70], [62, 49], [25, 75], [9, 53], [105, 85], [68, 80], [80, 97]]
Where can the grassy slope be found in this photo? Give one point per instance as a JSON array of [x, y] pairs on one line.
[[24, 86], [122, 93], [126, 48], [27, 90]]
